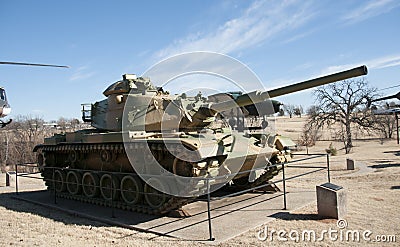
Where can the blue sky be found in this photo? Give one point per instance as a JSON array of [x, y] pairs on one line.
[[281, 41]]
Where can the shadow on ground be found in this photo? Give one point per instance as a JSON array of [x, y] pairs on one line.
[[385, 165], [290, 216], [396, 153], [250, 210], [312, 217], [64, 211], [7, 201]]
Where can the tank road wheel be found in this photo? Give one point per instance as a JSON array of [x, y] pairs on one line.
[[106, 183], [74, 179], [40, 160], [60, 180], [90, 184], [105, 155], [153, 197], [49, 159], [73, 156], [47, 175], [131, 189]]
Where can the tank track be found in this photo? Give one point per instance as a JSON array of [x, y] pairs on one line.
[[173, 203]]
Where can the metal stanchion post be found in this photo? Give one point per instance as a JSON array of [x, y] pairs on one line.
[[112, 196], [327, 166], [284, 186], [16, 179], [54, 186], [208, 209], [7, 179]]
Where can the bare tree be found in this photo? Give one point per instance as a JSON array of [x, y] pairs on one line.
[[344, 103], [62, 124], [289, 109], [309, 136], [68, 125], [75, 124], [385, 123], [19, 138], [298, 110], [312, 110]]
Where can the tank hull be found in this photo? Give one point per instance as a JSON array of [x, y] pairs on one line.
[[87, 158]]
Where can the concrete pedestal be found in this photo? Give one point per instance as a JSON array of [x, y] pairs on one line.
[[350, 164], [331, 201]]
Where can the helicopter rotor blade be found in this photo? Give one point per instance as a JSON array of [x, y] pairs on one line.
[[394, 96], [35, 64]]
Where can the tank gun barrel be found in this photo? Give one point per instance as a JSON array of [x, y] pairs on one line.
[[259, 96]]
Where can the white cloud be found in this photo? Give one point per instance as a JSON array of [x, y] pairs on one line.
[[384, 62], [370, 9], [261, 21], [338, 68], [81, 73], [203, 63], [375, 63], [299, 36]]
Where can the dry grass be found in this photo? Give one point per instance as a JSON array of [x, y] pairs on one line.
[[373, 204]]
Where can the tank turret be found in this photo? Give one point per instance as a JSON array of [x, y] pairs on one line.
[[148, 106]]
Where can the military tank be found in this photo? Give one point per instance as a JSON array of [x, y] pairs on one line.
[[149, 151]]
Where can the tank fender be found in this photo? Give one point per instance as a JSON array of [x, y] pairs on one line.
[[255, 174], [37, 147], [281, 143], [258, 169]]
